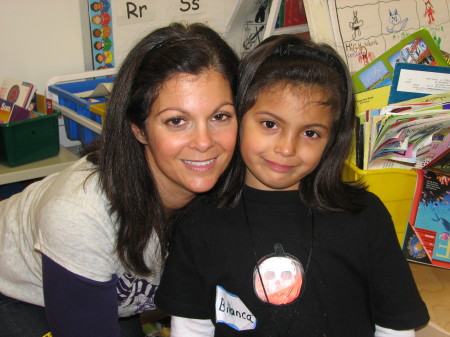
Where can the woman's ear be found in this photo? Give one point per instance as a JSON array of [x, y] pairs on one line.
[[139, 134]]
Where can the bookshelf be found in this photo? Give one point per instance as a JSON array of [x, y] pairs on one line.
[[37, 169]]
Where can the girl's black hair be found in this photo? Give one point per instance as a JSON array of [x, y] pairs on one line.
[[295, 61], [125, 176]]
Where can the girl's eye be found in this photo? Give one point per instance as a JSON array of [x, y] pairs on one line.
[[270, 125], [221, 117], [176, 121], [311, 134]]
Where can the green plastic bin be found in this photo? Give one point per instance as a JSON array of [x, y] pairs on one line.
[[29, 140]]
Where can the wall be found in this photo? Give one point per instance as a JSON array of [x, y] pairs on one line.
[[40, 39], [45, 38]]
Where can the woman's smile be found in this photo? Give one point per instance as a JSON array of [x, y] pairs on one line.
[[197, 165]]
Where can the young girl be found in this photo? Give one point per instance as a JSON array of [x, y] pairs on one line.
[[299, 253]]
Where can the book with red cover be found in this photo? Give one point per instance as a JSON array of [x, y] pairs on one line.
[[427, 237]]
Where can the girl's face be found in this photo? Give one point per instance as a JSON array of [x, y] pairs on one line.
[[190, 135], [284, 135]]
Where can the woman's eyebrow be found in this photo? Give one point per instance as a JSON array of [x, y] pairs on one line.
[[183, 111]]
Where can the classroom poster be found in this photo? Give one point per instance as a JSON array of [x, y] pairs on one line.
[[247, 24], [365, 29], [100, 20]]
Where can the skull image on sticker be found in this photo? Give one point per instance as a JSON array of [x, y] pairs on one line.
[[278, 277]]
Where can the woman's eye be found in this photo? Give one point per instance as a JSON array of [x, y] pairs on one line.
[[221, 117], [311, 134], [269, 124], [176, 121]]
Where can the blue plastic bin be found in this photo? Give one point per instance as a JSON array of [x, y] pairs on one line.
[[66, 98]]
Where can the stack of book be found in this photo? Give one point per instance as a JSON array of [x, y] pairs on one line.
[[407, 135], [403, 107], [15, 100], [403, 101], [427, 237]]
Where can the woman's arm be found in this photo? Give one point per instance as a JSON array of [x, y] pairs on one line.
[[77, 306], [182, 327]]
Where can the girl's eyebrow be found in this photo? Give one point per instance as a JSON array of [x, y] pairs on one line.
[[183, 111], [278, 118], [270, 114], [322, 126]]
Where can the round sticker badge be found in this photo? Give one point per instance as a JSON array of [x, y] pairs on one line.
[[278, 278]]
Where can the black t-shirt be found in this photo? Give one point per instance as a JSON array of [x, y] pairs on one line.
[[357, 275]]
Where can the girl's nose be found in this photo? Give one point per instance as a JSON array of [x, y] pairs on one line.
[[285, 145], [202, 139]]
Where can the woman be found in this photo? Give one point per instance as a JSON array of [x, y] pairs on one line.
[[82, 250]]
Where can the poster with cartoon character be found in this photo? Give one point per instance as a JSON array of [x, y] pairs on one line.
[[100, 19], [364, 30]]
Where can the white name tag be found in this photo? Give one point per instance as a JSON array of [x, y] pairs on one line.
[[231, 311]]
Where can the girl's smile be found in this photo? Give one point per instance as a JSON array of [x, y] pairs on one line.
[[279, 167]]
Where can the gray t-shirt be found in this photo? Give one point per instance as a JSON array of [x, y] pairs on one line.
[[65, 216]]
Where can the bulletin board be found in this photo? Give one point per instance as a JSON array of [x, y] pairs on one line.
[[365, 29], [362, 30]]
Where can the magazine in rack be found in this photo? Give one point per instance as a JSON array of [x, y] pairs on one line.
[[427, 237]]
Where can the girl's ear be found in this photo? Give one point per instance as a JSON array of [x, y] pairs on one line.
[[139, 134]]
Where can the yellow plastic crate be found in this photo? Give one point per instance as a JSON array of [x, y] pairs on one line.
[[395, 188], [99, 109]]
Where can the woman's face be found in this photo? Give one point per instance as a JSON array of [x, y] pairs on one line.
[[190, 135]]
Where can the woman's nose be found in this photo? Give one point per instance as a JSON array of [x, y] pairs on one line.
[[202, 139]]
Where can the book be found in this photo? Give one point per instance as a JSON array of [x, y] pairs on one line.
[[427, 237], [10, 112], [372, 99], [411, 81], [402, 136], [361, 31], [5, 111], [418, 48], [434, 98], [286, 17], [16, 91]]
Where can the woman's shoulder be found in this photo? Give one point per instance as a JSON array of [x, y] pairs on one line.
[[81, 175], [77, 184]]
